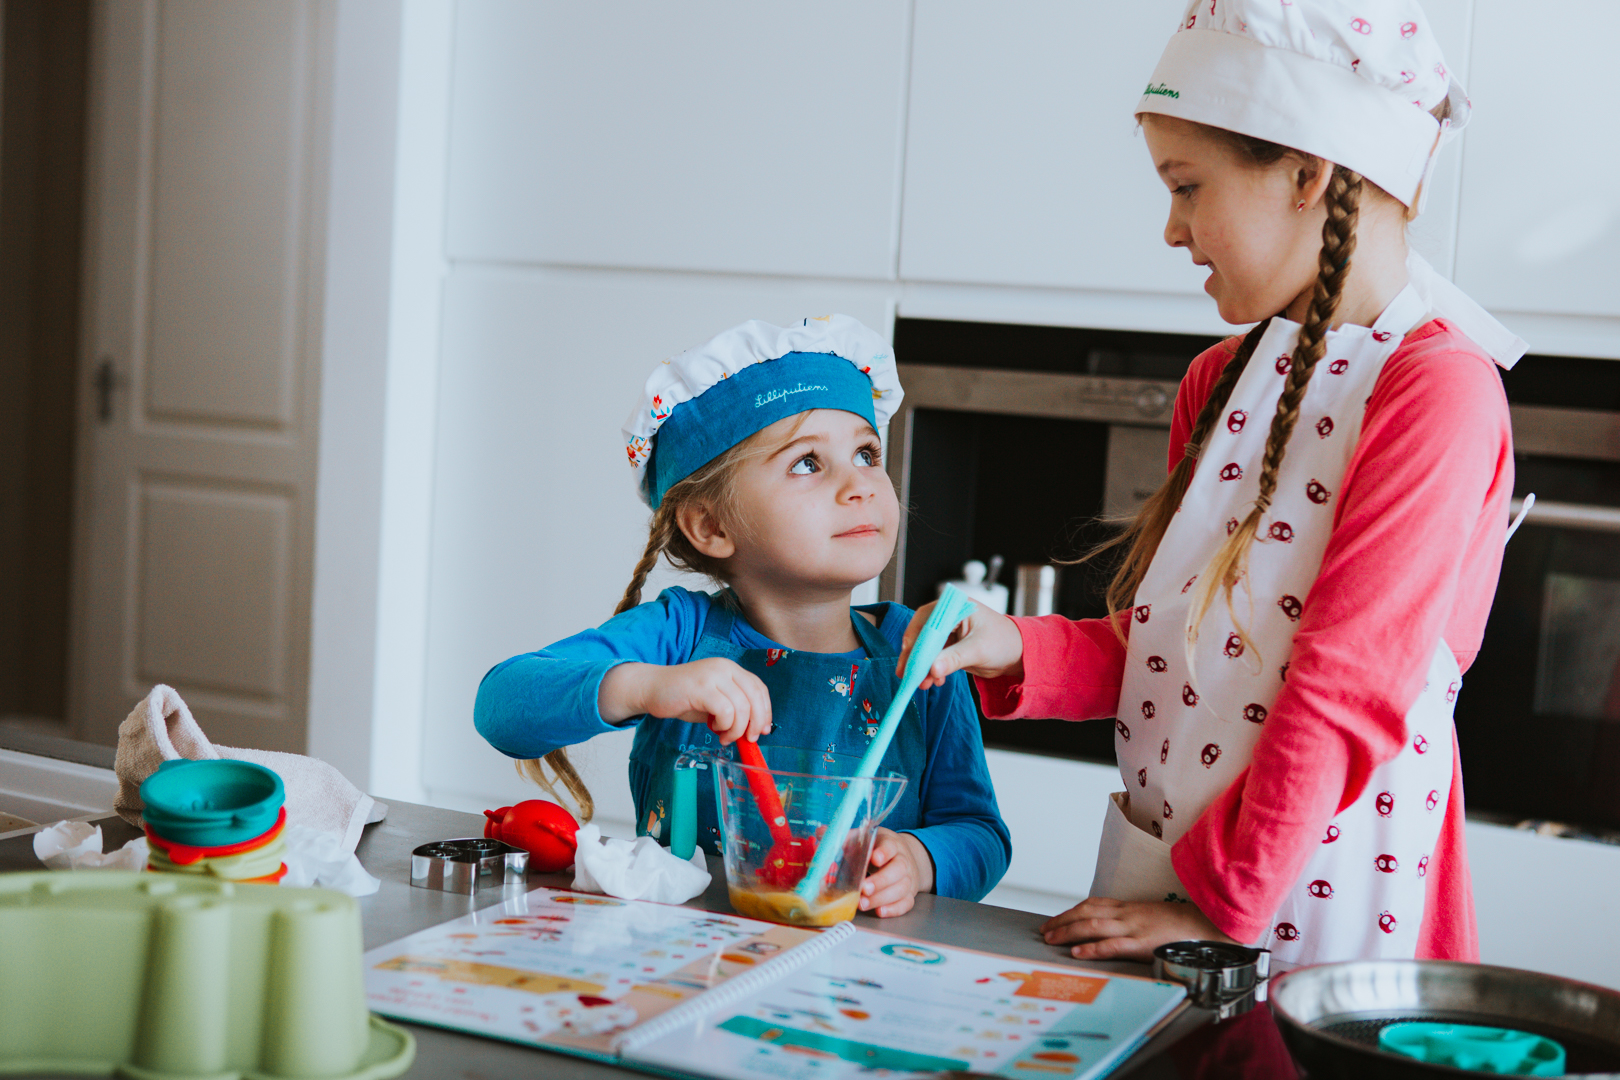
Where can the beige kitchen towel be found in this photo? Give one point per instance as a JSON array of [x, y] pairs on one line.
[[161, 729]]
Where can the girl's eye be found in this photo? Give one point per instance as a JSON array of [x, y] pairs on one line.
[[804, 466], [866, 457], [1183, 191]]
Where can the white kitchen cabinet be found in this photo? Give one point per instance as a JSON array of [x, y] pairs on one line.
[[536, 525], [728, 136], [1540, 214], [1024, 165]]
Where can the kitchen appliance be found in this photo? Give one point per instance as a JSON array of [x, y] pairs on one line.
[[1538, 717], [1017, 439]]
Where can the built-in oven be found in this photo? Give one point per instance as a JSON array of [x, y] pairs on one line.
[[1021, 442]]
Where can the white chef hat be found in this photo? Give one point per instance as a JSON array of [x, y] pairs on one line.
[[1350, 81], [702, 402]]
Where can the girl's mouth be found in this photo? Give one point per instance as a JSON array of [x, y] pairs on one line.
[[859, 531]]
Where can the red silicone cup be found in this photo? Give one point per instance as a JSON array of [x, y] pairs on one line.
[[184, 855]]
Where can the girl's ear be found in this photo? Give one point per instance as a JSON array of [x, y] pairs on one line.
[[1312, 180], [705, 531]]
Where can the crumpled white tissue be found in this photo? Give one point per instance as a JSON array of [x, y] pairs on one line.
[[76, 845], [319, 858], [636, 871], [313, 856]]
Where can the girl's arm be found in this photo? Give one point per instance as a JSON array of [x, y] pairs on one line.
[[1414, 557], [1072, 671], [962, 827], [532, 704]]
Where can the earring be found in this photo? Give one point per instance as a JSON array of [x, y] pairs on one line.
[[1301, 206]]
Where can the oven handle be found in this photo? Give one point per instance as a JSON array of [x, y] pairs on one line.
[[1570, 515]]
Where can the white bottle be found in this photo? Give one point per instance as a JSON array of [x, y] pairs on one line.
[[975, 587]]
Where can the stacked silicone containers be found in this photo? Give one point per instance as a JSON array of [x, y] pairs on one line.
[[221, 818], [163, 977]]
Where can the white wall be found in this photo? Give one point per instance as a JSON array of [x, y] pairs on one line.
[[385, 263], [536, 525]]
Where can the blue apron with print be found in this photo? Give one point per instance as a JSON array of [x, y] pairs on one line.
[[819, 701]]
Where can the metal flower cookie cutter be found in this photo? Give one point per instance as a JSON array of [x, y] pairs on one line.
[[1220, 976], [467, 865]]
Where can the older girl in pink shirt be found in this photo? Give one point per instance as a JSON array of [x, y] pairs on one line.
[[1296, 604]]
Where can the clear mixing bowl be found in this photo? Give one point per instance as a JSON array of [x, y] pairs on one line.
[[811, 785]]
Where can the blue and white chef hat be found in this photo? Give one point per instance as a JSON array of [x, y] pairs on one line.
[[702, 402], [1349, 81]]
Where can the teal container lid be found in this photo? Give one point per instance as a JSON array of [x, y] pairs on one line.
[[211, 803], [1502, 1051]]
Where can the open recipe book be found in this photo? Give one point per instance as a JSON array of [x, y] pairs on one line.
[[676, 990]]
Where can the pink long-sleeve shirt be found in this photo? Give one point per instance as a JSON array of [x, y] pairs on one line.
[[1414, 555]]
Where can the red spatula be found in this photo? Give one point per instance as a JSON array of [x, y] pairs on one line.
[[788, 858]]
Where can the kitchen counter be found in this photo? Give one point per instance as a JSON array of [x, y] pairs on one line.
[[1189, 1047]]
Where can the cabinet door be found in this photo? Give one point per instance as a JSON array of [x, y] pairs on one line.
[[1024, 165], [728, 136], [1023, 162], [198, 418], [1540, 215]]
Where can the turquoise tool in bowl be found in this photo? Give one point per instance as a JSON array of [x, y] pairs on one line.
[[1476, 1048], [211, 803]]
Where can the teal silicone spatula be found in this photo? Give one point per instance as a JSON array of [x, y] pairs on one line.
[[950, 610]]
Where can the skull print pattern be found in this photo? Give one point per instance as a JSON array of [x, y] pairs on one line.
[[1236, 671]]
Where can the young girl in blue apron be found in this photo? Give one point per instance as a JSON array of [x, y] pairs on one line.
[[1296, 604], [758, 454]]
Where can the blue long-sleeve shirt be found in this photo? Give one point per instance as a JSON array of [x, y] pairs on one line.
[[537, 702]]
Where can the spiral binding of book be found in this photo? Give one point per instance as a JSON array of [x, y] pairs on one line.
[[734, 990]]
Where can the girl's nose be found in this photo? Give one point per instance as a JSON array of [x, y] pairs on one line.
[[1176, 233], [858, 485]]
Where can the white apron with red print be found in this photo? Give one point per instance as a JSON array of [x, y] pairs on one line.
[[1184, 733]]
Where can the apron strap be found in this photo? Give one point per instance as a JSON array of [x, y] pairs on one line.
[[872, 640], [717, 624]]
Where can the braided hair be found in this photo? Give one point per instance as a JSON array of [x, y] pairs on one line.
[[1144, 533], [1231, 562]]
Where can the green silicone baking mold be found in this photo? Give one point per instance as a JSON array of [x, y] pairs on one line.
[[170, 976]]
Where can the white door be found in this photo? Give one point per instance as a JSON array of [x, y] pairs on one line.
[[205, 212]]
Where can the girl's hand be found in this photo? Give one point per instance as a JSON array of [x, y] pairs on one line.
[[1127, 929], [716, 692], [986, 644], [901, 868]]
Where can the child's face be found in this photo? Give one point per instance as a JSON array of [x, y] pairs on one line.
[[817, 509], [1240, 220]]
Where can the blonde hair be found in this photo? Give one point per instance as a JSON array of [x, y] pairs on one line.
[[713, 487]]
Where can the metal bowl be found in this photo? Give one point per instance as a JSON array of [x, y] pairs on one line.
[[1330, 1014]]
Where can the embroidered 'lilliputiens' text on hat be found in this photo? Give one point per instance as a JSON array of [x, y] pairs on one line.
[[702, 402]]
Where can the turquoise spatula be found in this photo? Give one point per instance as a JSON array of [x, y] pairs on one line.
[[951, 609]]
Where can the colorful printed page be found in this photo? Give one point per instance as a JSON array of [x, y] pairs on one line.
[[884, 1003], [567, 971]]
